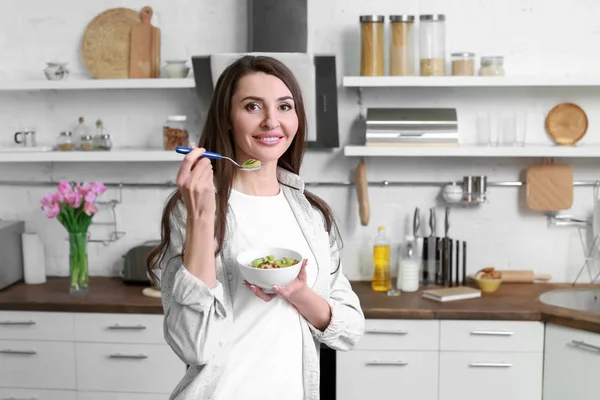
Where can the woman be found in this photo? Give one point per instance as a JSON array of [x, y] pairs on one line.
[[238, 341]]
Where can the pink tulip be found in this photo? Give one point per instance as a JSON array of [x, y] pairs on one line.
[[98, 188], [49, 198], [51, 209], [84, 188], [64, 188], [90, 197], [73, 199], [90, 208]]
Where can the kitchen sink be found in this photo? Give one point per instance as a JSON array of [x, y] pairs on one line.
[[586, 300]]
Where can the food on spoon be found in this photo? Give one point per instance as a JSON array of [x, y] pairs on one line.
[[251, 163], [270, 262]]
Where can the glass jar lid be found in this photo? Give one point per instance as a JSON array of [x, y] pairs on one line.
[[402, 18], [65, 133], [372, 18], [177, 118], [432, 17], [492, 60], [463, 55]]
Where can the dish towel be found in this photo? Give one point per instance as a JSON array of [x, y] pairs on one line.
[[34, 261], [302, 66]]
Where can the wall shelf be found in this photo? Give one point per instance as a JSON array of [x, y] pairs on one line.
[[114, 155], [473, 151], [86, 84], [470, 81]]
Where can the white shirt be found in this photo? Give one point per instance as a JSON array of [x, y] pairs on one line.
[[265, 361]]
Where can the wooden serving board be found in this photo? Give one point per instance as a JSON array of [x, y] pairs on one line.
[[549, 187], [144, 60], [361, 184]]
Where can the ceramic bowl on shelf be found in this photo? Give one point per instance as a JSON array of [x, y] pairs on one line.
[[176, 69], [267, 278]]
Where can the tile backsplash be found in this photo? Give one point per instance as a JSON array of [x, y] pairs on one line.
[[502, 233]]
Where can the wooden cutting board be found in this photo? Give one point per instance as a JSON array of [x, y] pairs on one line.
[[525, 276], [549, 187], [144, 60]]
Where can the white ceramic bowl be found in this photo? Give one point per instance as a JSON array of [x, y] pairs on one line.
[[267, 278]]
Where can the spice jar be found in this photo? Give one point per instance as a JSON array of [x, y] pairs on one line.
[[175, 132], [492, 66], [401, 45], [105, 143], [65, 141], [463, 64], [87, 143], [371, 45], [432, 44]]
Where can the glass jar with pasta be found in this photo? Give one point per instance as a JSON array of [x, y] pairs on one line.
[[175, 132]]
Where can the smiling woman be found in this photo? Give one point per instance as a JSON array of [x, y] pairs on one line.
[[224, 327]]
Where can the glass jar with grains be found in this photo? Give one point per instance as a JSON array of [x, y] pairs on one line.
[[401, 45], [432, 44], [65, 141], [371, 45], [492, 66], [175, 132], [87, 143], [463, 64]]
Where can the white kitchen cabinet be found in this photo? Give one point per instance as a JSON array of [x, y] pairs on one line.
[[571, 364], [444, 360], [490, 376], [69, 356], [380, 374]]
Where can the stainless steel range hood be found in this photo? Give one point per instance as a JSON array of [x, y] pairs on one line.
[[412, 126]]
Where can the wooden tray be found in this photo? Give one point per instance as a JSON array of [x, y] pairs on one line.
[[566, 123], [106, 43], [549, 187]]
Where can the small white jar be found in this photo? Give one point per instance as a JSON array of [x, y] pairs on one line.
[[176, 69]]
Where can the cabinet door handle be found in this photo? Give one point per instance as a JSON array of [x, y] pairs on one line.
[[490, 365], [128, 356], [126, 327], [20, 352], [387, 331], [581, 343], [492, 333], [17, 322], [377, 362]]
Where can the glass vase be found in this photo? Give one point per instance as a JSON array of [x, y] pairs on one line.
[[78, 263]]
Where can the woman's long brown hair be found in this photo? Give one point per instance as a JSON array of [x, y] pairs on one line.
[[218, 138]]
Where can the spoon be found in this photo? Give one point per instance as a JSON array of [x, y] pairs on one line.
[[248, 165]]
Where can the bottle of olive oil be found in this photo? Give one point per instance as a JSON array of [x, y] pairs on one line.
[[382, 280]]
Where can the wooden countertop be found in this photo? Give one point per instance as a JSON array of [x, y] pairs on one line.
[[510, 302]]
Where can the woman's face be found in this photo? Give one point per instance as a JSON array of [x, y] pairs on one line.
[[264, 121]]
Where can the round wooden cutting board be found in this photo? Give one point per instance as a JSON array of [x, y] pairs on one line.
[[566, 123], [106, 43]]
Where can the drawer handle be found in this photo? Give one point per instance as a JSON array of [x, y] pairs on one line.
[[387, 331], [583, 344], [20, 352], [492, 333], [17, 322], [491, 365], [377, 362], [127, 327], [129, 356]]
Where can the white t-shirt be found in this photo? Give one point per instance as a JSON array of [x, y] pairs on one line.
[[265, 361]]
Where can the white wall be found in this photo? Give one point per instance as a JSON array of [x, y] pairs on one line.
[[535, 36]]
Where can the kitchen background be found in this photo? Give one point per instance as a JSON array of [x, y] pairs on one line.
[[536, 38]]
